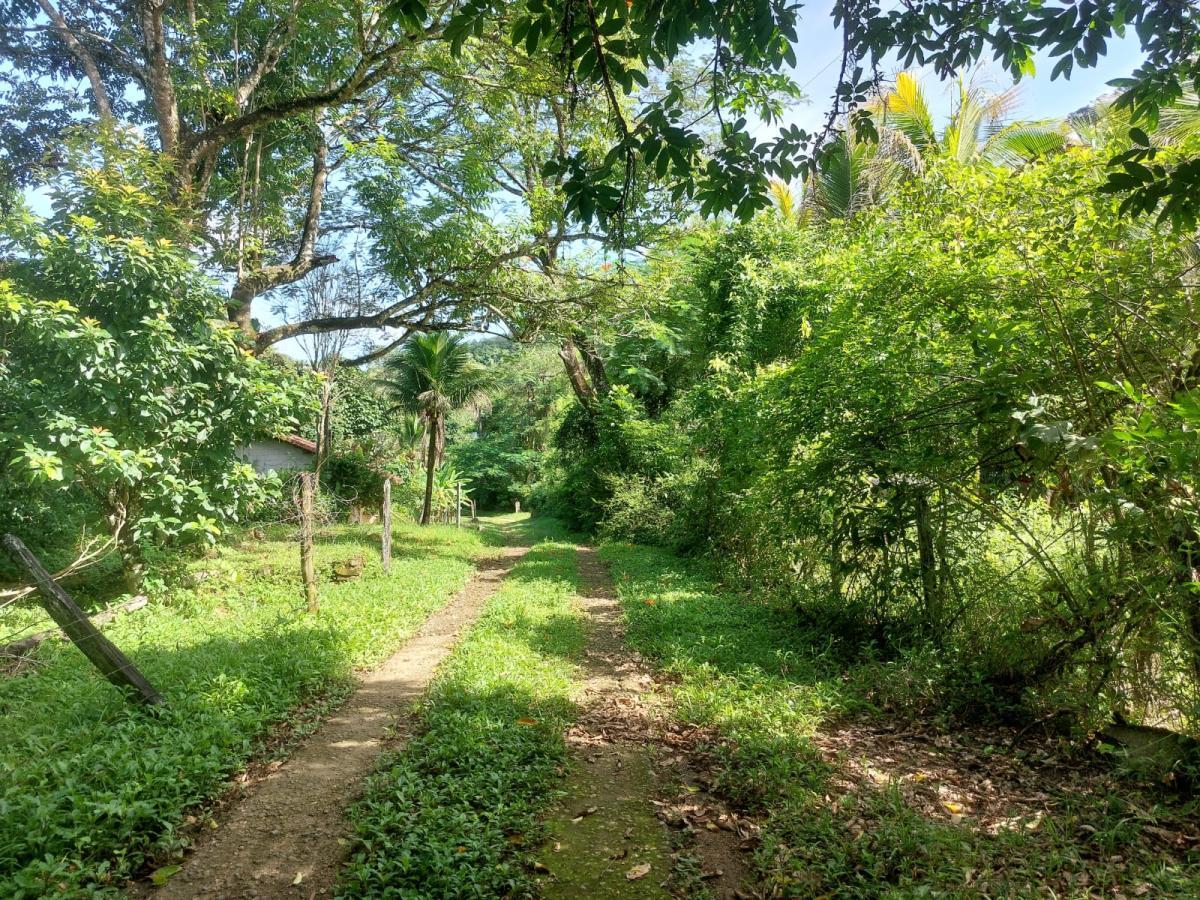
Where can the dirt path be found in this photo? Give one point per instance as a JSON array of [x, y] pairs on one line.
[[282, 840], [634, 821]]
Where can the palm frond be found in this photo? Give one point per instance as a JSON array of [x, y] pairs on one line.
[[1019, 143], [905, 109]]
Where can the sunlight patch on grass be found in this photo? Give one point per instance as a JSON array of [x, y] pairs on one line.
[[93, 787], [452, 812]]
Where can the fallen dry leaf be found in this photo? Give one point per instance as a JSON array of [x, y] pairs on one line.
[[638, 872]]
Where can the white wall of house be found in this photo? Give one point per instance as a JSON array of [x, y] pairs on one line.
[[276, 456]]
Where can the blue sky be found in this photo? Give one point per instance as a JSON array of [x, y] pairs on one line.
[[818, 55]]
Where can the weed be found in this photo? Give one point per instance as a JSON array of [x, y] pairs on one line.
[[452, 813], [93, 788]]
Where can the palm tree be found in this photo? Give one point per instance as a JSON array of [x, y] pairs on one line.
[[410, 434], [434, 375], [855, 175], [1104, 124], [978, 130]]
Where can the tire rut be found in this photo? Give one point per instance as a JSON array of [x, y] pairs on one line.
[[630, 779], [285, 839]]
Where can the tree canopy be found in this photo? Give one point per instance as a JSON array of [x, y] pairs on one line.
[[520, 131]]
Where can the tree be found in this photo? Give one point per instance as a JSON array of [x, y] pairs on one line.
[[979, 130], [244, 104], [433, 375], [255, 109], [748, 44], [255, 114], [856, 173], [502, 448], [120, 377]]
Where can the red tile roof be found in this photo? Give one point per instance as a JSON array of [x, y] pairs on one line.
[[296, 441]]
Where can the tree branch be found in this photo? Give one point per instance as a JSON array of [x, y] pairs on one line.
[[82, 56], [268, 57], [306, 259], [158, 75]]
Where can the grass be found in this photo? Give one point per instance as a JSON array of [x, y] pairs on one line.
[[93, 789], [764, 688], [452, 813]]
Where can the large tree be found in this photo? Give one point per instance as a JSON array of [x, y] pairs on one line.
[[255, 109], [285, 127]]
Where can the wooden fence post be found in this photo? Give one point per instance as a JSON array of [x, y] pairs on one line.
[[385, 551], [458, 505], [112, 663], [307, 571]]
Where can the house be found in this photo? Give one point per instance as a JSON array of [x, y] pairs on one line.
[[281, 453]]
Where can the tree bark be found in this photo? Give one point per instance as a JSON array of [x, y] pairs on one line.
[[82, 56], [159, 83], [593, 363], [252, 285], [133, 562], [584, 392], [430, 468]]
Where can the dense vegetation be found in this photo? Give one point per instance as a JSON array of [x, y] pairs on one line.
[[959, 422], [897, 415], [767, 689]]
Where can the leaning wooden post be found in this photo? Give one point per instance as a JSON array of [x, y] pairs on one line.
[[458, 505], [112, 663], [307, 571], [385, 550]]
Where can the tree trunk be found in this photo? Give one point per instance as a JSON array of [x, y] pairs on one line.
[[159, 85], [430, 467], [928, 562], [593, 363], [133, 562], [576, 374]]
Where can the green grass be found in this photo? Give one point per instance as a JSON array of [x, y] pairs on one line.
[[92, 788], [764, 687], [451, 813]]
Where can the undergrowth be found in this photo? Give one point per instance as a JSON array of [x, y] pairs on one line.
[[92, 788], [449, 814], [765, 687]]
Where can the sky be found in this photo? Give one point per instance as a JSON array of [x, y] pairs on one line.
[[818, 54]]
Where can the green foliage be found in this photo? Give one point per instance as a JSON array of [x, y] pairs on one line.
[[451, 813], [94, 788], [958, 421], [434, 375], [121, 380], [502, 449], [597, 447], [362, 410], [765, 686]]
